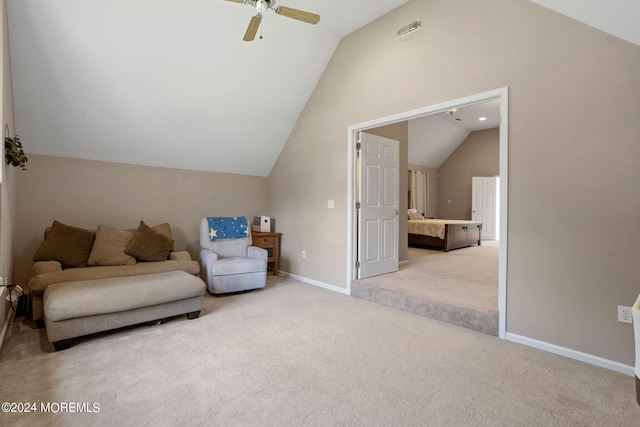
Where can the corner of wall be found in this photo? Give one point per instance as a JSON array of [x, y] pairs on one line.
[[7, 194]]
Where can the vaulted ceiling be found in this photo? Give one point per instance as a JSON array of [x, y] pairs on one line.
[[172, 83], [433, 138]]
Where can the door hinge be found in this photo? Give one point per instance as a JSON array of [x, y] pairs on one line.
[[357, 264], [358, 146], [357, 205]]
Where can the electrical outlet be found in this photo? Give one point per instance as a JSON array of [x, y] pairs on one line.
[[624, 314], [303, 254]]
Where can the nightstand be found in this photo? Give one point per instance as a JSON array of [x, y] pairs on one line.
[[270, 242]]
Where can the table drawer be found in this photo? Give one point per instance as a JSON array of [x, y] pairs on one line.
[[263, 242]]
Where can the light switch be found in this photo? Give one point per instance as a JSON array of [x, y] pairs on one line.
[[330, 204]]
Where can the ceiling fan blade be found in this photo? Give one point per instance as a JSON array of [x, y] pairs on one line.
[[300, 15], [237, 1], [252, 29]]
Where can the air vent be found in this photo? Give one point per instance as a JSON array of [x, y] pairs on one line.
[[410, 30]]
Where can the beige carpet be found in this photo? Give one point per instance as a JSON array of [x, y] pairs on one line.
[[459, 286], [292, 355]]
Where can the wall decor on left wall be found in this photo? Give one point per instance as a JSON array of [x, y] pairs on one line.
[[13, 151]]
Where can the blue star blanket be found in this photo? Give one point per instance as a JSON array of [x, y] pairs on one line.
[[228, 228]]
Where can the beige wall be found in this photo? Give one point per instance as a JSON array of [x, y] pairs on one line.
[[574, 232], [7, 187], [399, 132], [477, 155], [432, 185], [88, 193]]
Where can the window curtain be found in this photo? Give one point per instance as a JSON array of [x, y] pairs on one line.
[[418, 190]]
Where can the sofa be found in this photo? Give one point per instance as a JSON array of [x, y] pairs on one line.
[[80, 273]]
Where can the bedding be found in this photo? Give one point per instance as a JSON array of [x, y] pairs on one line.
[[444, 233], [433, 227]]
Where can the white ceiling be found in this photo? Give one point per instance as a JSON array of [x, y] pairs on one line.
[[471, 117], [171, 83], [620, 18], [433, 138]]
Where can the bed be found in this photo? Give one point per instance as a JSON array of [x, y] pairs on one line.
[[447, 234]]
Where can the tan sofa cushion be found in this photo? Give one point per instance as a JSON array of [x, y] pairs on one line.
[[43, 267], [70, 246], [71, 300], [39, 283], [109, 247]]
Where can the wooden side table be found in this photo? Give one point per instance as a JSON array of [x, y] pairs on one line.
[[270, 242]]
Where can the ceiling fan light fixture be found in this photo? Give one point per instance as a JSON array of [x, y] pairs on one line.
[[261, 7]]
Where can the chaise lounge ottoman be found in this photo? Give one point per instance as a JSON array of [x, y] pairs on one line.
[[74, 309]]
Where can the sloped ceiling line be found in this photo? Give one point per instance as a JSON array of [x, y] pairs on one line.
[[136, 82]]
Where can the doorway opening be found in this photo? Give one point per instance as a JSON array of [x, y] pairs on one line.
[[498, 94]]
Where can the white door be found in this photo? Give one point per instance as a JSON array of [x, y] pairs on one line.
[[379, 199], [485, 205]]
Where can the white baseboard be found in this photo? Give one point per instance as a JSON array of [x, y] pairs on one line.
[[315, 283], [571, 354], [403, 263]]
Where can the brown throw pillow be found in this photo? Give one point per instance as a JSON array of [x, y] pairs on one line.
[[70, 246], [165, 230], [149, 245], [109, 247]]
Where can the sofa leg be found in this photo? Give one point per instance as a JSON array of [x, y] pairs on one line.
[[63, 344], [193, 315]]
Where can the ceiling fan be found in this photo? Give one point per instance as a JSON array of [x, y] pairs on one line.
[[262, 6]]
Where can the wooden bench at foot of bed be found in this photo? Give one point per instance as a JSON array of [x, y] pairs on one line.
[[456, 236]]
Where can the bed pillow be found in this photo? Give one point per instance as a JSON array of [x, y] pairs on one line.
[[148, 244], [70, 246], [414, 214], [110, 246]]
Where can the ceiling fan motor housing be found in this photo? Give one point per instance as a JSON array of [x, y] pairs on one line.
[[262, 6]]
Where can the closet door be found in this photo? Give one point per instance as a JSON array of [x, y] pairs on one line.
[[485, 205]]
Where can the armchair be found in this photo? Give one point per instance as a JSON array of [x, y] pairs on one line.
[[229, 263]]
